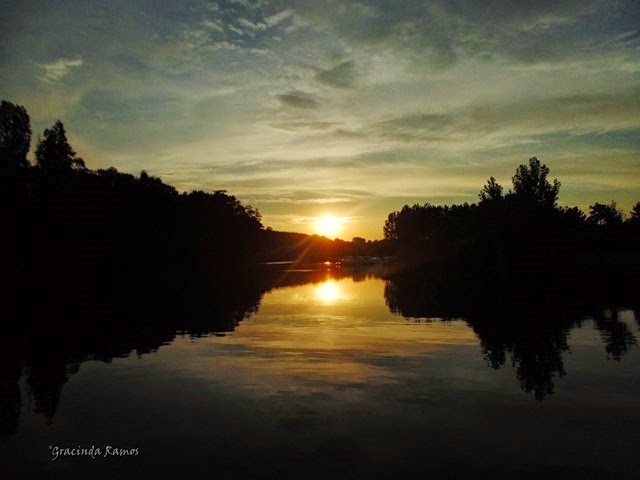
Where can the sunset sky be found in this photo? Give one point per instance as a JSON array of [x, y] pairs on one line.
[[344, 108]]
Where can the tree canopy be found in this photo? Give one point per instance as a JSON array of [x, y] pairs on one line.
[[491, 191], [54, 153], [634, 218], [608, 215], [15, 137], [532, 192], [530, 184]]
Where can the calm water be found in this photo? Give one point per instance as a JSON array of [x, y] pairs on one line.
[[324, 380]]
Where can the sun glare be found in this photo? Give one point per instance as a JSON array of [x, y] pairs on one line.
[[328, 225], [331, 292], [328, 292]]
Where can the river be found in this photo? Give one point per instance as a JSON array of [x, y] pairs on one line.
[[326, 375]]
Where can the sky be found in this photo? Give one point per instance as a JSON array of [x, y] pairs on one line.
[[346, 108]]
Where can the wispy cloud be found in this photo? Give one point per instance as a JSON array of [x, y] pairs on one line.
[[342, 75], [298, 100], [57, 70]]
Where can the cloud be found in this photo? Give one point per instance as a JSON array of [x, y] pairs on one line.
[[258, 26], [439, 33], [298, 100], [277, 18], [343, 75], [316, 197], [418, 126], [312, 220], [56, 71], [247, 26], [215, 26], [319, 200], [572, 114], [302, 126]]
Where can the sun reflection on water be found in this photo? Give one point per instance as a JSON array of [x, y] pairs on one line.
[[331, 292]]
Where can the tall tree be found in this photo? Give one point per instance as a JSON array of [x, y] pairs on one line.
[[390, 229], [15, 137], [491, 191], [530, 184], [54, 154]]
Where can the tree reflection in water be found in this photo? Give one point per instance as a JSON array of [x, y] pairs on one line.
[[533, 336], [49, 342]]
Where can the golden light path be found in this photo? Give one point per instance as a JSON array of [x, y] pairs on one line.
[[338, 331], [330, 292]]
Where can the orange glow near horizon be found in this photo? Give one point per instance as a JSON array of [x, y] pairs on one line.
[[329, 225]]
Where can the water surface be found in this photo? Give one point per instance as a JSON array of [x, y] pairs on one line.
[[326, 377]]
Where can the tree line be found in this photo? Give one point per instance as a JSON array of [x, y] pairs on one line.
[[96, 234], [532, 194], [522, 237], [58, 210], [70, 230]]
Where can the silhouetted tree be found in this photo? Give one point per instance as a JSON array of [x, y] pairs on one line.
[[491, 191], [15, 136], [54, 153], [606, 215], [573, 215], [530, 184], [413, 223], [634, 218], [390, 229], [358, 244]]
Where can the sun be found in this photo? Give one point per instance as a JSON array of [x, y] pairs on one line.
[[328, 225]]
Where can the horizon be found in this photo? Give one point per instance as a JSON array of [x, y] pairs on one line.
[[346, 110]]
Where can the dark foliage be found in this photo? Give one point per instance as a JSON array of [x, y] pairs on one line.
[[634, 218], [15, 136], [605, 215], [530, 184], [491, 192], [520, 235], [73, 233], [54, 154]]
